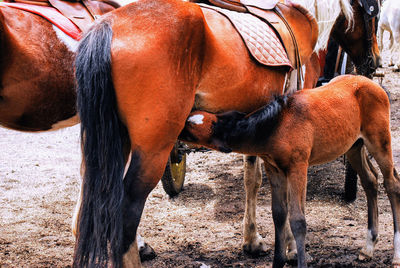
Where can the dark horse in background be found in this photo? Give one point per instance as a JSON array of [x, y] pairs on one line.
[[140, 72]]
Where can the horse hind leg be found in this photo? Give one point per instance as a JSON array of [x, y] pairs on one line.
[[379, 146], [392, 187], [253, 243], [358, 159], [279, 205], [297, 184]]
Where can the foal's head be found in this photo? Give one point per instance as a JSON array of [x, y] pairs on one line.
[[359, 41]]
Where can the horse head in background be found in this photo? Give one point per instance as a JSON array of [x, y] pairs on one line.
[[364, 52]]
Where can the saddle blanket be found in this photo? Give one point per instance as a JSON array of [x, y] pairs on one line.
[[52, 15], [261, 40]]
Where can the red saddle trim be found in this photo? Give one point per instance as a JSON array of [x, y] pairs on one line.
[[52, 15]]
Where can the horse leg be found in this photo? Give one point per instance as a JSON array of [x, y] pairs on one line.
[[350, 185], [297, 184], [396, 49], [391, 47], [146, 252], [290, 243], [378, 142], [368, 176], [252, 241], [152, 133], [279, 212], [380, 37], [144, 172], [392, 187]]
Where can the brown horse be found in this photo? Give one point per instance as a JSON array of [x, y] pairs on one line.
[[156, 60], [140, 71], [37, 89], [366, 61], [311, 127]]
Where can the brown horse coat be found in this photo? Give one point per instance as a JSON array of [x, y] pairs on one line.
[[311, 127]]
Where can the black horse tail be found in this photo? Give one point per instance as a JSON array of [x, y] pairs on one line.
[[99, 235]]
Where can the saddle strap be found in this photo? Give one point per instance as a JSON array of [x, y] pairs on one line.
[[298, 63], [74, 11], [228, 4]]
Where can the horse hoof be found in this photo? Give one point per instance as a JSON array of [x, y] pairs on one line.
[[255, 249], [146, 253]]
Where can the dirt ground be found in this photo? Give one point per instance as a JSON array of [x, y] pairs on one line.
[[39, 183]]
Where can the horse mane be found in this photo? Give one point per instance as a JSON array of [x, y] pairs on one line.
[[234, 129], [326, 12]]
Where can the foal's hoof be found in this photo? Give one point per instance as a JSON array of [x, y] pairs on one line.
[[255, 248], [146, 253]]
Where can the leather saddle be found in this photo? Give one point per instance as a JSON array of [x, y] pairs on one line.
[[81, 12], [272, 12]]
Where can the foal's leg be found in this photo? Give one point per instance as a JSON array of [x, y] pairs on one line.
[[252, 241], [368, 176], [279, 212], [296, 188], [392, 186], [378, 142]]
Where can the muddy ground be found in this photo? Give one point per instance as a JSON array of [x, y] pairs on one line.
[[39, 183]]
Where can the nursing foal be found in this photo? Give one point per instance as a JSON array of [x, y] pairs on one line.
[[311, 127]]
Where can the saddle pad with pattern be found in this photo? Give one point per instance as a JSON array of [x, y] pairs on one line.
[[52, 15], [260, 39]]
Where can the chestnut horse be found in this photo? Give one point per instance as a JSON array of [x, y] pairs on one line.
[[140, 71], [311, 127]]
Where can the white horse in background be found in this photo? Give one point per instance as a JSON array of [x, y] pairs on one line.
[[390, 21]]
